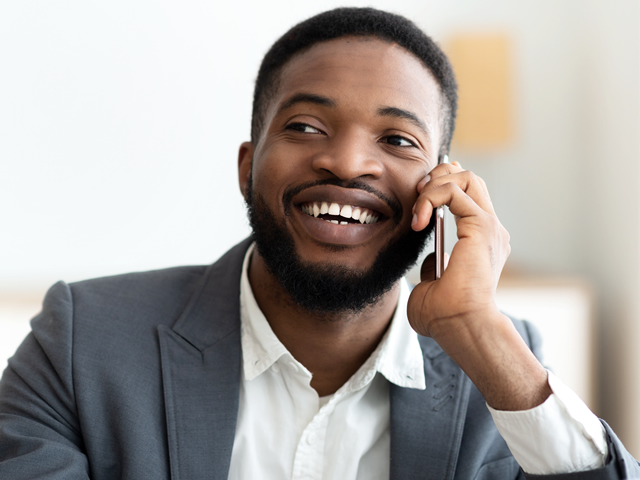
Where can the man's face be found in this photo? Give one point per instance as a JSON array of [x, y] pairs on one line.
[[352, 129]]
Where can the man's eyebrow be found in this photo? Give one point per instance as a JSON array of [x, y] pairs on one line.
[[306, 98], [407, 115]]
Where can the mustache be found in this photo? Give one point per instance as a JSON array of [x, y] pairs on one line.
[[354, 184]]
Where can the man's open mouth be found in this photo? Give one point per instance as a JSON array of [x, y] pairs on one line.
[[339, 214]]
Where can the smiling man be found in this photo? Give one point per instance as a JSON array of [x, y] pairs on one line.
[[296, 354]]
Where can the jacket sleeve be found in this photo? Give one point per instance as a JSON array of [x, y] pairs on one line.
[[40, 435], [620, 464]]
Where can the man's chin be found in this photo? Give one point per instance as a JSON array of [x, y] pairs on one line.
[[357, 259], [334, 287]]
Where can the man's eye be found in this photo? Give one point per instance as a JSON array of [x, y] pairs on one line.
[[398, 141], [302, 127]]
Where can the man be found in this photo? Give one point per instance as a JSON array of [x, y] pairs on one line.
[[292, 357]]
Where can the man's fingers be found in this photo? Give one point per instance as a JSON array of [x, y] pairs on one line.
[[439, 171], [484, 185], [469, 183], [436, 190], [445, 169], [460, 204]]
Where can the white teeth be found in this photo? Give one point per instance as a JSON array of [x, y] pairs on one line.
[[346, 211], [358, 214]]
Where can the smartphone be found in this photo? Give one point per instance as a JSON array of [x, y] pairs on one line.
[[440, 231]]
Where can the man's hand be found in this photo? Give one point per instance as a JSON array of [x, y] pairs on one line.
[[459, 309]]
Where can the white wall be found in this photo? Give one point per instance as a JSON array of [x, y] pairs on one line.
[[609, 237], [120, 122], [119, 128]]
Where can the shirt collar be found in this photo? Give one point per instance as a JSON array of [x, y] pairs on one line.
[[398, 356], [260, 346]]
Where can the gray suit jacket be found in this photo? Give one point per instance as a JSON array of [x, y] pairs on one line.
[[137, 377]]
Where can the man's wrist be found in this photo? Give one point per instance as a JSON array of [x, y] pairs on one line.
[[499, 362], [559, 436]]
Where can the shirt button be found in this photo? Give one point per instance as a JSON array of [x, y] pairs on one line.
[[275, 368], [311, 438]]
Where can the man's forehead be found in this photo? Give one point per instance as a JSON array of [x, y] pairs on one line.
[[356, 54], [384, 73]]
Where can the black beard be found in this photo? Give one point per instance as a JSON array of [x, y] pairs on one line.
[[330, 289]]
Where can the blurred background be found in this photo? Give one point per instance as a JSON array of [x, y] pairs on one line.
[[120, 123]]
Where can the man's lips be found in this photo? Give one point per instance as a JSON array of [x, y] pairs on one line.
[[340, 216], [343, 204]]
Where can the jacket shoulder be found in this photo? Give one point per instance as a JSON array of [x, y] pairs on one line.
[[143, 296]]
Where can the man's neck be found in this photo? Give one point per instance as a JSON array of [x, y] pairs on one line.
[[332, 347]]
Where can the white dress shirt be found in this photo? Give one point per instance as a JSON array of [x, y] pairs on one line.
[[285, 431]]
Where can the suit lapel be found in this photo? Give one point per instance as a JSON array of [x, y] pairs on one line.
[[201, 372], [426, 425]]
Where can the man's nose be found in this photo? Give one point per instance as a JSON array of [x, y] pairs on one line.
[[349, 156]]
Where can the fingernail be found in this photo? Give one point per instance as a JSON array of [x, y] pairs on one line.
[[423, 182], [414, 221]]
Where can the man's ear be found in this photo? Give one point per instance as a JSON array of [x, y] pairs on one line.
[[245, 158]]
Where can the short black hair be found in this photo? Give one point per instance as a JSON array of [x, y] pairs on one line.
[[343, 22]]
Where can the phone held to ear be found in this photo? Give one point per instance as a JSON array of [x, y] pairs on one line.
[[439, 242]]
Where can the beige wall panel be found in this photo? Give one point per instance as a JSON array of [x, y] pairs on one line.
[[482, 66]]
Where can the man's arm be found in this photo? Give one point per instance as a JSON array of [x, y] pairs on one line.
[[459, 310], [39, 429]]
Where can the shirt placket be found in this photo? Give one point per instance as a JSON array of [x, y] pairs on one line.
[[309, 459]]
